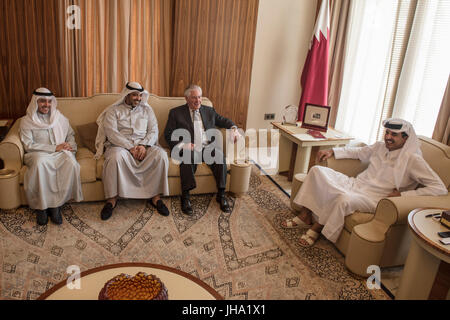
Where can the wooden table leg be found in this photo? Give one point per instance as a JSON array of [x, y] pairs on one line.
[[312, 159], [441, 283], [292, 164], [302, 159]]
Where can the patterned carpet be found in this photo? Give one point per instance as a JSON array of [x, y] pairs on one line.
[[244, 254]]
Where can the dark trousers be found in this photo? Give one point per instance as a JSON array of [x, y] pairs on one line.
[[187, 172]]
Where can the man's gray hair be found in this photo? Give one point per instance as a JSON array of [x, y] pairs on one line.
[[190, 88]]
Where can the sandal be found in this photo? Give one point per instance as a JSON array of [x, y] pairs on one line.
[[295, 222], [310, 238]]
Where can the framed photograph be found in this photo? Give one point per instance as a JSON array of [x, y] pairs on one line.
[[316, 117]]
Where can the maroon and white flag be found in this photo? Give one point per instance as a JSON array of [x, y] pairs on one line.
[[314, 78]]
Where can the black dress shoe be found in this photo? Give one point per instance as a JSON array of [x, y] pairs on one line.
[[224, 206], [107, 211], [186, 206], [55, 215], [160, 207], [41, 217]]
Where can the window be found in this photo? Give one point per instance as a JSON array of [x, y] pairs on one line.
[[396, 65]]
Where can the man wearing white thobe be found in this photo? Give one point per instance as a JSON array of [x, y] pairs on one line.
[[135, 166], [53, 174], [396, 168]]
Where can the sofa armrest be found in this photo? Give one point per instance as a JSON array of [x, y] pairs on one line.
[[395, 210], [349, 167], [240, 178], [389, 212], [11, 149]]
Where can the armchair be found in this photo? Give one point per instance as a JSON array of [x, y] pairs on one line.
[[382, 238]]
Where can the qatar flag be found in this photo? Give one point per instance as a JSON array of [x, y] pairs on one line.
[[314, 79]]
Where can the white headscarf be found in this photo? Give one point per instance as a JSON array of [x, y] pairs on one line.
[[411, 146], [130, 87], [58, 122]]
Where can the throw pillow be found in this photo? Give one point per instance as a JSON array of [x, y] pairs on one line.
[[88, 133]]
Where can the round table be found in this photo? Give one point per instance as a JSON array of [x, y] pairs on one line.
[[180, 285], [427, 268]]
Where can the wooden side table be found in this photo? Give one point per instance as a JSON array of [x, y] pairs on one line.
[[304, 147], [427, 269]]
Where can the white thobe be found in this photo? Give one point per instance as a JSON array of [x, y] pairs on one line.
[[331, 195], [52, 178], [126, 127]]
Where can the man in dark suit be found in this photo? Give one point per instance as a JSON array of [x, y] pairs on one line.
[[196, 119]]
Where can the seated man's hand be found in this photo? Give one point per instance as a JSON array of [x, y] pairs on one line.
[[235, 135], [63, 146], [323, 155], [188, 146], [142, 152], [138, 152], [133, 152], [394, 193]]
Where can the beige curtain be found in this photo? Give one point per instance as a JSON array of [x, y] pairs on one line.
[[119, 41], [400, 90], [339, 10], [442, 129]]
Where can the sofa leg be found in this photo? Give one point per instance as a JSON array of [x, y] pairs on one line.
[[362, 253]]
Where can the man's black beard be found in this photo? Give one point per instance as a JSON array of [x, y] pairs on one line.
[[131, 104]]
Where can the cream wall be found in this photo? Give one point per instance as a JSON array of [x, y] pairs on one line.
[[283, 34]]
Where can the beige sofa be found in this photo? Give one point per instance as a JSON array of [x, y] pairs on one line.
[[82, 113], [383, 238]]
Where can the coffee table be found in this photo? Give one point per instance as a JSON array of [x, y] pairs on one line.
[[427, 268], [180, 285]]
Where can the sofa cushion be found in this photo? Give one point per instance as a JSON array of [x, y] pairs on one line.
[[357, 218], [85, 158], [83, 153], [87, 170], [99, 167], [437, 156], [174, 169], [88, 133], [162, 141]]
